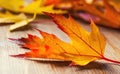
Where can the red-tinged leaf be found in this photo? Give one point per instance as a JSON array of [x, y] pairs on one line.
[[82, 42], [100, 9]]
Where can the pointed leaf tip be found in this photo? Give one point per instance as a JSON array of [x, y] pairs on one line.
[[19, 56], [77, 51], [93, 26]]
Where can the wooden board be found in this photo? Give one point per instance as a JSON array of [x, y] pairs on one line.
[[10, 65]]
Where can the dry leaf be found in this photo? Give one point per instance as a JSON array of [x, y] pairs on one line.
[[104, 12], [36, 6], [19, 20], [83, 48], [8, 17], [21, 23]]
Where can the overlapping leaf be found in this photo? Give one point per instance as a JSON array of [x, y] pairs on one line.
[[8, 17], [104, 10], [19, 20], [36, 6], [101, 11], [83, 48]]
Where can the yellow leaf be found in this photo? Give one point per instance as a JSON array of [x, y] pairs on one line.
[[21, 23], [36, 6], [83, 48], [13, 5], [19, 20], [87, 44], [8, 17]]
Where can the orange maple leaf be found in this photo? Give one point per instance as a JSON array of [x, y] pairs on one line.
[[101, 11], [83, 48]]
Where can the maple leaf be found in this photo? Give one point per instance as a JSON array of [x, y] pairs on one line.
[[19, 20], [102, 13], [36, 6], [83, 48]]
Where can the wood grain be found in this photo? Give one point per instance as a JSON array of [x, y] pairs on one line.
[[10, 65]]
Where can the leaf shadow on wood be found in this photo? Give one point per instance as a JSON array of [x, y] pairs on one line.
[[56, 63], [24, 28], [90, 66], [94, 65], [5, 24], [99, 67]]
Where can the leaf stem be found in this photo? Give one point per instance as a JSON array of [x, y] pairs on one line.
[[110, 60]]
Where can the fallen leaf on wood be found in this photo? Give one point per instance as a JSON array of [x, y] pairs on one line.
[[83, 48], [8, 17], [19, 20], [104, 12], [35, 6], [21, 23]]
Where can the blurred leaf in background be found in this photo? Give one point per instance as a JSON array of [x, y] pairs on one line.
[[35, 6], [18, 20], [103, 12]]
